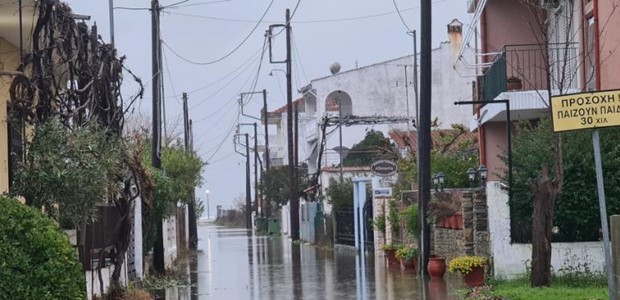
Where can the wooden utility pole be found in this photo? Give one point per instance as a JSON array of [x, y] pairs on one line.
[[267, 162], [191, 206], [424, 131], [158, 249], [248, 189], [256, 204], [292, 179]]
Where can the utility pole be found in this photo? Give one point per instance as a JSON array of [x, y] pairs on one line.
[[256, 169], [248, 193], [191, 208], [296, 140], [424, 132], [266, 209], [158, 250], [111, 4], [294, 201], [267, 162]]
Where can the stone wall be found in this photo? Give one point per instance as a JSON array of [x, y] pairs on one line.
[[473, 238]]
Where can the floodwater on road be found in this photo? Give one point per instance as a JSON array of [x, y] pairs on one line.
[[234, 264]]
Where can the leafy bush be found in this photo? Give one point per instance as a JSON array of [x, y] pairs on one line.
[[36, 259], [411, 216], [67, 171], [340, 194], [407, 253], [379, 222]]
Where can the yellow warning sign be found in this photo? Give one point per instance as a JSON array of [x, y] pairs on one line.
[[585, 110]]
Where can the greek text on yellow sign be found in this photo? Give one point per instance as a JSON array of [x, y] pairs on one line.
[[585, 110]]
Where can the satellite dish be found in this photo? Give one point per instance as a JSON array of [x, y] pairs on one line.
[[334, 68]]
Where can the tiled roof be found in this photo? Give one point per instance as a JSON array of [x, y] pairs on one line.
[[299, 102], [404, 139], [347, 169]]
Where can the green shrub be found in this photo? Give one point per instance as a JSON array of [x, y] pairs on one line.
[[36, 259]]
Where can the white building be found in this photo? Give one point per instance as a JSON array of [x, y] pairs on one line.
[[384, 89]]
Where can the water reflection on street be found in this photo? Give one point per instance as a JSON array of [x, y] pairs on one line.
[[235, 264]]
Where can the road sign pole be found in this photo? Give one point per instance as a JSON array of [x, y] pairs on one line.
[[603, 212]]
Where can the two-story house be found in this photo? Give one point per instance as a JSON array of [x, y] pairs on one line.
[[527, 51]]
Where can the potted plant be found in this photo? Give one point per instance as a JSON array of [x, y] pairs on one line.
[[390, 253], [436, 266], [442, 208], [408, 257], [514, 83], [471, 267]]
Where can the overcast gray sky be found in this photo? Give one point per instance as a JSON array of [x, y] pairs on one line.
[[350, 32]]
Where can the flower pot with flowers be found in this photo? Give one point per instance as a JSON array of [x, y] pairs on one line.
[[408, 257], [390, 253], [471, 267]]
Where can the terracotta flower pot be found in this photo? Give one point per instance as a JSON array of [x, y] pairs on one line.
[[475, 277], [391, 257], [409, 264], [436, 267], [459, 221]]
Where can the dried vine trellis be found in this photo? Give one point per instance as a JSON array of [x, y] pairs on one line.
[[72, 75]]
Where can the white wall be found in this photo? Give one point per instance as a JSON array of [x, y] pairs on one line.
[[170, 241], [379, 89], [510, 260], [285, 219], [92, 280]]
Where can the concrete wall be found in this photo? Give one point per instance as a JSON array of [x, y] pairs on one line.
[[285, 219], [9, 59], [609, 27], [496, 144], [92, 280], [511, 260], [381, 89], [507, 24], [170, 241]]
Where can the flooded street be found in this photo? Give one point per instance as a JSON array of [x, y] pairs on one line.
[[234, 264]]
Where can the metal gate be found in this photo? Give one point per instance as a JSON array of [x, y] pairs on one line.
[[345, 228]]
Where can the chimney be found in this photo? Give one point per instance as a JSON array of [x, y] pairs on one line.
[[455, 36]]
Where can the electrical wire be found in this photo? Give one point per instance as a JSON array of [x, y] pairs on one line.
[[229, 53], [401, 16], [170, 77], [304, 21], [201, 3], [230, 100], [246, 64], [298, 57]]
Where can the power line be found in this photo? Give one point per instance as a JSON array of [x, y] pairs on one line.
[[222, 88], [201, 3], [401, 16], [301, 66], [229, 53], [170, 77], [304, 21]]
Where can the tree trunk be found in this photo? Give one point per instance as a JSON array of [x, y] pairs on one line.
[[545, 191]]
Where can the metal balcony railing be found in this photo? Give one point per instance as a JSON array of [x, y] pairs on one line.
[[530, 64]]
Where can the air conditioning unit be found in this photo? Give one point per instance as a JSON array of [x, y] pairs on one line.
[[549, 4]]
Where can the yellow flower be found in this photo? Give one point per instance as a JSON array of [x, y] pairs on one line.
[[465, 264]]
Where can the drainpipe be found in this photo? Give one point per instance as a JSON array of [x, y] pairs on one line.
[[597, 49]]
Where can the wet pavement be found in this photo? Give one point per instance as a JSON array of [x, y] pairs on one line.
[[235, 264]]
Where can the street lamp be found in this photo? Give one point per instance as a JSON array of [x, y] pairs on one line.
[[482, 170], [436, 182], [471, 174], [207, 192]]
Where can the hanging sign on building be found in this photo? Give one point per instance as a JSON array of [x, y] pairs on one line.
[[585, 110], [383, 168]]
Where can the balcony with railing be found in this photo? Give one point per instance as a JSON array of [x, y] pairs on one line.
[[525, 67]]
